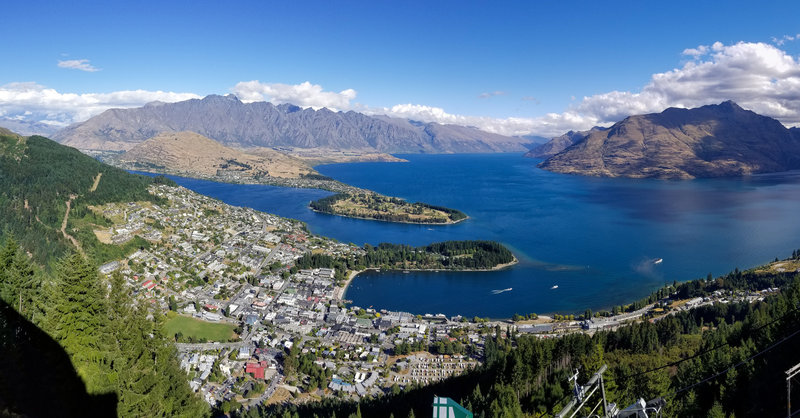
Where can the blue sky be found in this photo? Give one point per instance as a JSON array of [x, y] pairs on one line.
[[486, 61]]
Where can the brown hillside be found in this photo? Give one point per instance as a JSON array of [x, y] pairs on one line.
[[188, 152]]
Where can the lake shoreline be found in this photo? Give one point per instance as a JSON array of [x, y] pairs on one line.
[[340, 294], [448, 223], [607, 231]]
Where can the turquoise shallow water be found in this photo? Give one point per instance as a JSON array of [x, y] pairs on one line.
[[595, 239]]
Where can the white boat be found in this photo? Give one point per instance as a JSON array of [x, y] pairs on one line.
[[658, 261], [497, 292], [555, 286]]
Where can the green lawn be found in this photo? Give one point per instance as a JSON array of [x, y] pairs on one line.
[[197, 329]]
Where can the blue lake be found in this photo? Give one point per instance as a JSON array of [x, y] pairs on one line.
[[595, 239]]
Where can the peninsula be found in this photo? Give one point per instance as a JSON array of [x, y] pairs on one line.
[[467, 255], [190, 154]]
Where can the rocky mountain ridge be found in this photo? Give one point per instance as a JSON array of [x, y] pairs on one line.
[[235, 124], [560, 143], [709, 141]]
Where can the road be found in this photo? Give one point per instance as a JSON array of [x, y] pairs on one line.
[[210, 346]]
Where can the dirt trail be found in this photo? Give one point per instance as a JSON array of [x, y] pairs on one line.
[[66, 218], [96, 182]]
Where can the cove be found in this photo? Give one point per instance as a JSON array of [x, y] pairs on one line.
[[594, 238]]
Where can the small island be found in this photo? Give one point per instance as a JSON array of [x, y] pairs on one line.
[[370, 205]]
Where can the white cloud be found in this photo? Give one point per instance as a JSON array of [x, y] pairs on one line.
[[487, 95], [304, 94], [55, 106], [785, 38], [82, 65], [696, 52], [758, 76]]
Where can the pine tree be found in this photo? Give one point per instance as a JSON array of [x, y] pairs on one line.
[[77, 319], [19, 284], [7, 254]]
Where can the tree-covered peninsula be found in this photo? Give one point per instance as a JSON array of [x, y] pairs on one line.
[[448, 255], [369, 205]]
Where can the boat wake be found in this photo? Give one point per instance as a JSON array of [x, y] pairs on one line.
[[499, 291]]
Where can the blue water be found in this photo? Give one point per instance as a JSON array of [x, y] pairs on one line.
[[595, 239]]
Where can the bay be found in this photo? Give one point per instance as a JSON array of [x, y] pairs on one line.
[[595, 239]]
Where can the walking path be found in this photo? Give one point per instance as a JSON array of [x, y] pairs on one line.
[[64, 226]]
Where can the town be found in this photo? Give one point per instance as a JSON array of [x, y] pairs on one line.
[[251, 327]]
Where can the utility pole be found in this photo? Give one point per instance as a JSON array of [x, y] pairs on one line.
[[789, 375], [583, 393]]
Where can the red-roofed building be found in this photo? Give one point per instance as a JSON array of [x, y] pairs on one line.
[[149, 285], [257, 369]]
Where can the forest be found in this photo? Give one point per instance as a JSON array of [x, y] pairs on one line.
[[74, 343], [116, 360], [37, 178], [448, 255]]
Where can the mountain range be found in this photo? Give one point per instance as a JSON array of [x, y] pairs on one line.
[[709, 141], [233, 123], [28, 127]]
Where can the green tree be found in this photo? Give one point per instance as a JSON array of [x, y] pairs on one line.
[[77, 319], [19, 283]]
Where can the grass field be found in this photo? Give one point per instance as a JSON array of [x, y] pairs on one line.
[[197, 329]]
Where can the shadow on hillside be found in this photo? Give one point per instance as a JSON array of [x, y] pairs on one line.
[[37, 378]]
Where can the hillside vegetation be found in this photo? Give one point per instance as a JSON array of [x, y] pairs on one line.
[[448, 255], [37, 179], [73, 343]]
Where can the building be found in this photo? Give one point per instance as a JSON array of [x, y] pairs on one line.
[[109, 267], [257, 369]]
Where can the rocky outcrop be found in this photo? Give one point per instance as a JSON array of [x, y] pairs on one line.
[[560, 143]]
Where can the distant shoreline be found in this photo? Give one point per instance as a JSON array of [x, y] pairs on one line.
[[282, 183], [394, 222]]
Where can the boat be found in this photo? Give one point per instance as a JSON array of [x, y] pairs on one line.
[[497, 292], [555, 286], [658, 261], [406, 272]]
